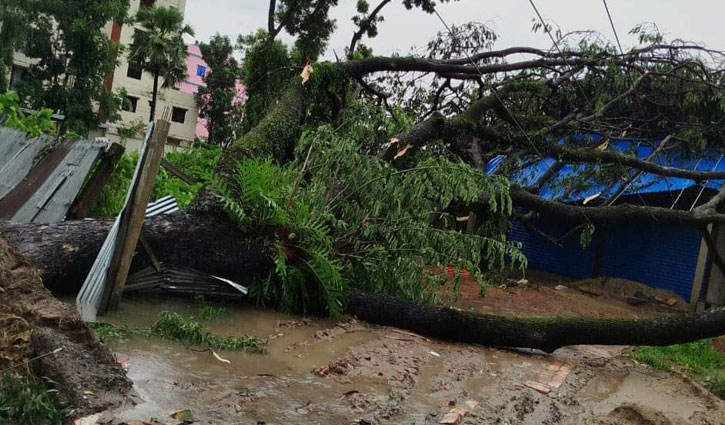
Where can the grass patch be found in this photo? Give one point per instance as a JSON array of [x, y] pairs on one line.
[[108, 332], [699, 359], [178, 328], [208, 311], [27, 400]]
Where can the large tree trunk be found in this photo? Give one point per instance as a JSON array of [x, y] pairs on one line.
[[64, 252]]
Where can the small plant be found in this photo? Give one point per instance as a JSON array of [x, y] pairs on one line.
[[34, 124], [27, 400], [208, 311], [178, 328], [107, 332]]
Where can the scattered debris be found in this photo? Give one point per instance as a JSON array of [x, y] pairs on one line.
[[543, 389], [183, 415], [435, 354], [554, 375], [216, 356], [306, 73], [472, 404], [88, 420], [323, 370], [561, 287], [454, 417]]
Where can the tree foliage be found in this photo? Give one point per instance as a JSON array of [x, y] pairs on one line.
[[15, 16], [218, 101], [339, 221], [34, 124], [159, 48], [74, 57]]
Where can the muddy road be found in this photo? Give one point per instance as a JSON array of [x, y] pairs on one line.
[[318, 372]]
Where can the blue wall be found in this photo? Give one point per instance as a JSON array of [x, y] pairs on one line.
[[661, 256]]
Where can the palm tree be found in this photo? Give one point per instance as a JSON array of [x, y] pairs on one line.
[[158, 47]]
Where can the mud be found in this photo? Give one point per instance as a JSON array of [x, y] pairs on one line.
[[41, 333], [318, 372], [593, 298]]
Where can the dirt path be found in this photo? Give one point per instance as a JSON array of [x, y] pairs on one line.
[[320, 373]]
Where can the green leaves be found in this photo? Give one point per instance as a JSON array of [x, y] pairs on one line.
[[218, 101], [339, 218], [34, 124], [27, 400]]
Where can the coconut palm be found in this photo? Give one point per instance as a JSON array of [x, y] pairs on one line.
[[159, 48]]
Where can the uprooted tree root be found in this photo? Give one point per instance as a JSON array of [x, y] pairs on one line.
[[46, 336]]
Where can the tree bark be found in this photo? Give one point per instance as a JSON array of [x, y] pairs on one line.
[[546, 334], [64, 253]]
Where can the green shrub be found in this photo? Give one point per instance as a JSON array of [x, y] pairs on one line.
[[197, 162], [34, 124], [208, 311], [27, 400]]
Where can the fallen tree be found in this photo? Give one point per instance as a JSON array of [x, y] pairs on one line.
[[232, 249], [354, 176]]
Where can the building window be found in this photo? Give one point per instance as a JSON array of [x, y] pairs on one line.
[[173, 141], [200, 70], [130, 103], [148, 3], [178, 115], [134, 71], [18, 74]]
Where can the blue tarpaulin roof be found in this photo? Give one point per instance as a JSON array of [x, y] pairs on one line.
[[590, 184]]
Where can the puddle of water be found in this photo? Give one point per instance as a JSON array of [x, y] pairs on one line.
[[169, 376], [607, 390]]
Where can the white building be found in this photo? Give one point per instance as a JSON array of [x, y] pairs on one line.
[[139, 87]]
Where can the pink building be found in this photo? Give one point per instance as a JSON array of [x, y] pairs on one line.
[[196, 69]]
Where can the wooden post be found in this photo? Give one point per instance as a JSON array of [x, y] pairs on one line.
[[81, 208], [132, 218], [178, 173]]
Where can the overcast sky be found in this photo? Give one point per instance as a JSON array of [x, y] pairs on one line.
[[693, 20]]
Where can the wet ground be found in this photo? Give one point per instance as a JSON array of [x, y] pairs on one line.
[[318, 372]]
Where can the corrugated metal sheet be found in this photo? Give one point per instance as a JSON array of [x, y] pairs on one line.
[[90, 297], [182, 280], [42, 191], [165, 205], [661, 256], [51, 201], [16, 156], [644, 184]]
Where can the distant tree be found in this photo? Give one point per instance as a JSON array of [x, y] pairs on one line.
[[269, 64], [15, 17], [216, 100], [74, 56], [159, 47]]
